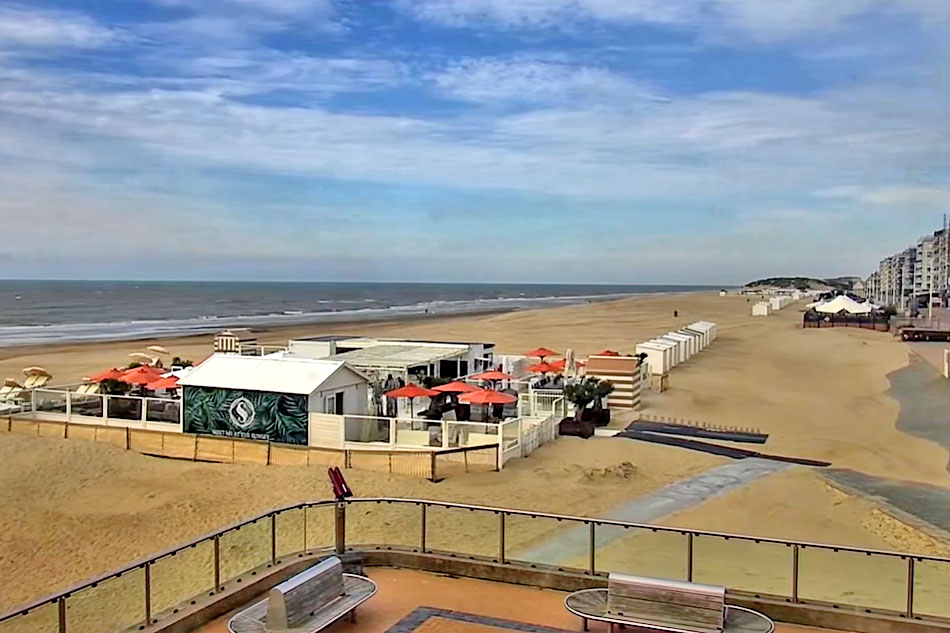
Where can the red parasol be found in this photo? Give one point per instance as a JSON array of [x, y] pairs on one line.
[[456, 386], [411, 391], [559, 364], [487, 396], [168, 382], [493, 375], [109, 374], [607, 352], [543, 368], [541, 353], [141, 375]]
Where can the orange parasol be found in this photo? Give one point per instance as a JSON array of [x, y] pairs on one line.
[[607, 352], [493, 375], [109, 374], [456, 386], [168, 382], [541, 353], [487, 396], [543, 368], [411, 391], [141, 375]]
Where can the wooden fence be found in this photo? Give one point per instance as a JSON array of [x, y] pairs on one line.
[[433, 465]]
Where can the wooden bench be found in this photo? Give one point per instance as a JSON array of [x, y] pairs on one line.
[[309, 602], [664, 605]]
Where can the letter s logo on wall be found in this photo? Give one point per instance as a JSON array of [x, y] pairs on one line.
[[242, 413]]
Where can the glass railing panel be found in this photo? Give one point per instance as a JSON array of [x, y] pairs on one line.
[[744, 565], [178, 579], [546, 541], [462, 532], [932, 588], [640, 551], [321, 527], [43, 619], [245, 548], [111, 605], [869, 581], [290, 532], [383, 524]]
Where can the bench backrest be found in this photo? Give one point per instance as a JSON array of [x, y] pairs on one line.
[[681, 605], [293, 601]]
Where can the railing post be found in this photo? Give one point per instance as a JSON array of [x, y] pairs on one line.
[[69, 405], [105, 409], [273, 539], [340, 524], [217, 563], [689, 557], [61, 603], [910, 586], [592, 546], [501, 538], [144, 402], [795, 573], [422, 529], [392, 432], [148, 594]]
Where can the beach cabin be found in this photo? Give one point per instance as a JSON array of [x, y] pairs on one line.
[[672, 348], [659, 357], [624, 372], [683, 343], [272, 398], [239, 341], [778, 303], [707, 328], [695, 339], [762, 308]]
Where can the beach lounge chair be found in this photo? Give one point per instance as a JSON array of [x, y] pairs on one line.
[[36, 381]]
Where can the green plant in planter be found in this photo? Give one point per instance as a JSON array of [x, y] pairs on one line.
[[587, 391], [114, 387]]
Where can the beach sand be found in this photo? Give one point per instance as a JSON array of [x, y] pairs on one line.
[[818, 393]]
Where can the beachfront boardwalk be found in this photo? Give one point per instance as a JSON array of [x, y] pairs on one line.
[[418, 602]]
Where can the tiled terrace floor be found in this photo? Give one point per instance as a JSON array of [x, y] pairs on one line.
[[418, 602]]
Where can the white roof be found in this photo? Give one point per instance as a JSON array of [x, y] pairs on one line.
[[400, 355], [846, 304], [277, 373], [663, 343], [703, 326]]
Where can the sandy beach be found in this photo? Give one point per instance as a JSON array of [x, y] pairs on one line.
[[820, 394]]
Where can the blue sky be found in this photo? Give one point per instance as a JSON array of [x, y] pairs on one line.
[[614, 141]]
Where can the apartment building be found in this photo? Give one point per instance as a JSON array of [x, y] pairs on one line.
[[908, 279]]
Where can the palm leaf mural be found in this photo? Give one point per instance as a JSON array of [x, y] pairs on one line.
[[278, 417]]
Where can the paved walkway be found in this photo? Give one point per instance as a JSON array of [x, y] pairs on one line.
[[573, 543]]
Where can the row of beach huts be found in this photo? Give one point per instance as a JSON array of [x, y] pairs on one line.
[[773, 304], [666, 352]]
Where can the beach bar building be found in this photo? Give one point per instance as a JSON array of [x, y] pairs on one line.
[[271, 398]]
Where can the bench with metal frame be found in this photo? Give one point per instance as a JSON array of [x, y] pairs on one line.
[[308, 602], [664, 605]]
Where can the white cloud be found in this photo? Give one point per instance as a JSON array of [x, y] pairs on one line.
[[272, 7], [21, 26], [492, 80], [898, 197]]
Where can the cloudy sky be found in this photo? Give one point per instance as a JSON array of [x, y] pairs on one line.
[[697, 141]]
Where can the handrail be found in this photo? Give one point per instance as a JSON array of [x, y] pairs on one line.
[[590, 521]]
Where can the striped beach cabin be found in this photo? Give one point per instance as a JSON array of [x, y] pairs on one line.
[[625, 374]]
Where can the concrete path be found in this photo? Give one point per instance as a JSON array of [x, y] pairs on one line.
[[573, 543]]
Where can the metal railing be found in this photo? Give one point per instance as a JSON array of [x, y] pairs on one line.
[[873, 581]]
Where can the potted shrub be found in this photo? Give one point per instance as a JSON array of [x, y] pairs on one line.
[[581, 394]]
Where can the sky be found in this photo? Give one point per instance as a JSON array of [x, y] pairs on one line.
[[589, 141]]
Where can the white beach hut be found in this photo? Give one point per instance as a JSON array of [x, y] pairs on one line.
[[695, 337], [681, 353], [687, 342], [707, 327], [762, 308], [658, 356]]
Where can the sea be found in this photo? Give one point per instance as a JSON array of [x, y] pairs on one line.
[[41, 312]]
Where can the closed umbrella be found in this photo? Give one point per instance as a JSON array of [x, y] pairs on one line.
[[411, 391], [157, 349]]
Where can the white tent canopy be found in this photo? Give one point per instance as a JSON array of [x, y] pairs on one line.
[[845, 304]]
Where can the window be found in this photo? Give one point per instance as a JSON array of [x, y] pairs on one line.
[[333, 404]]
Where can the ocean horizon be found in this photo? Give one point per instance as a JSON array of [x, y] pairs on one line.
[[36, 312]]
